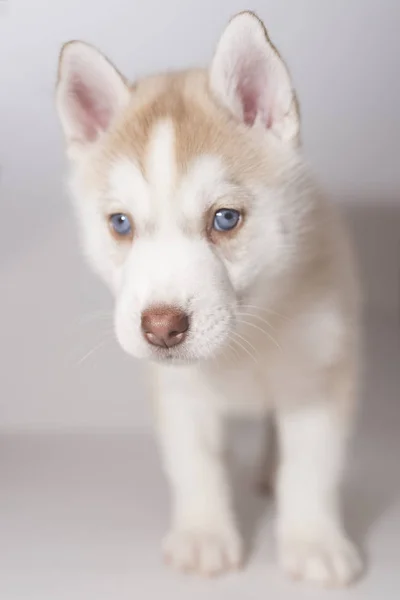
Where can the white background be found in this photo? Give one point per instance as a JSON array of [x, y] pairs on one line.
[[345, 60]]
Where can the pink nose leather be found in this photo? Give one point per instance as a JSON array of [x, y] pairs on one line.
[[164, 326]]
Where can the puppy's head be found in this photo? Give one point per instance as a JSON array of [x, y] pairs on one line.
[[183, 187]]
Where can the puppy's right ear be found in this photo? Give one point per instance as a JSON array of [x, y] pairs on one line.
[[251, 80], [90, 93]]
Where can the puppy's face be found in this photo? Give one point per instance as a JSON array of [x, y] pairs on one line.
[[182, 185]]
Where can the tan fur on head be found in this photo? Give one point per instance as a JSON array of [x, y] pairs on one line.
[[200, 126]]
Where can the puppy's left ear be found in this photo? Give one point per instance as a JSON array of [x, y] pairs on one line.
[[249, 78]]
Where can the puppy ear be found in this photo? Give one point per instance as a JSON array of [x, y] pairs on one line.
[[250, 79], [90, 93]]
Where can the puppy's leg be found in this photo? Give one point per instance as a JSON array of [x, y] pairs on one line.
[[203, 536], [267, 468], [312, 542]]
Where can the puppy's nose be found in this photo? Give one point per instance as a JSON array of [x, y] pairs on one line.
[[164, 326]]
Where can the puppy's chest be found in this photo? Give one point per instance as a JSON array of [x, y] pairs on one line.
[[242, 389]]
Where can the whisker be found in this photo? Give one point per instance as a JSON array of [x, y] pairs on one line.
[[235, 352], [246, 341], [244, 348], [265, 310], [242, 314], [262, 331], [92, 351]]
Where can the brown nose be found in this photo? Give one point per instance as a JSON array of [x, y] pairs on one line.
[[164, 326]]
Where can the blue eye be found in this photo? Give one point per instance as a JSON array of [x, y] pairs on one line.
[[121, 224], [226, 219]]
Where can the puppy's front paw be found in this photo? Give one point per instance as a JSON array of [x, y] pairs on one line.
[[207, 553], [328, 559]]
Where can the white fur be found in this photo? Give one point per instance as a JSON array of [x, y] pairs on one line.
[[161, 165], [312, 543], [273, 316], [204, 536], [166, 265], [126, 186]]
